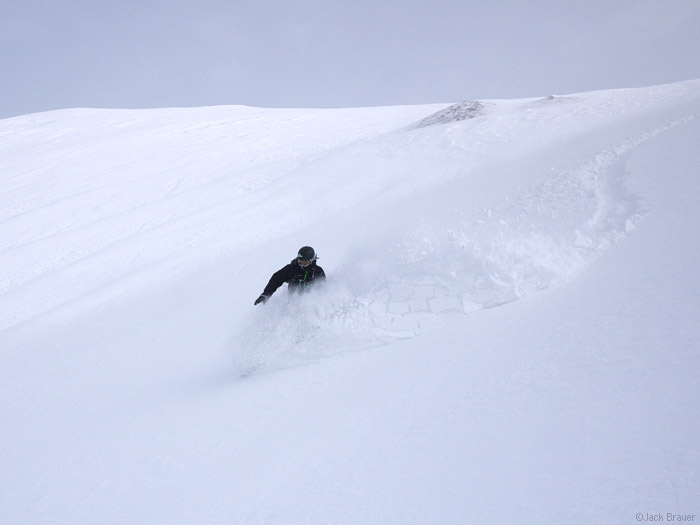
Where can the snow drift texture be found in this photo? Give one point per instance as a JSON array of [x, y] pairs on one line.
[[140, 385]]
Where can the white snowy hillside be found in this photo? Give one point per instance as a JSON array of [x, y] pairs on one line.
[[509, 332]]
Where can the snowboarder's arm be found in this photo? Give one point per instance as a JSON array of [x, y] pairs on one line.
[[278, 279]]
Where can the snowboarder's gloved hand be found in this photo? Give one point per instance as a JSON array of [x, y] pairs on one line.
[[262, 299]]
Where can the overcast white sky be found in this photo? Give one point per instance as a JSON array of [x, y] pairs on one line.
[[330, 53]]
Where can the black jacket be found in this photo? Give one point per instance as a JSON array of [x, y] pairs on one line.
[[297, 277]]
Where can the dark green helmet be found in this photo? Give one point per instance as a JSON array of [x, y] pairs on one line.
[[306, 256]]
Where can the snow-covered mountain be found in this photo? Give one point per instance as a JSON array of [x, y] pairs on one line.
[[510, 332]]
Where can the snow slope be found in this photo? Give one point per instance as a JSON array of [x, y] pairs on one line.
[[509, 333]]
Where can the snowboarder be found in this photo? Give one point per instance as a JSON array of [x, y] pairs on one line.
[[300, 274]]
